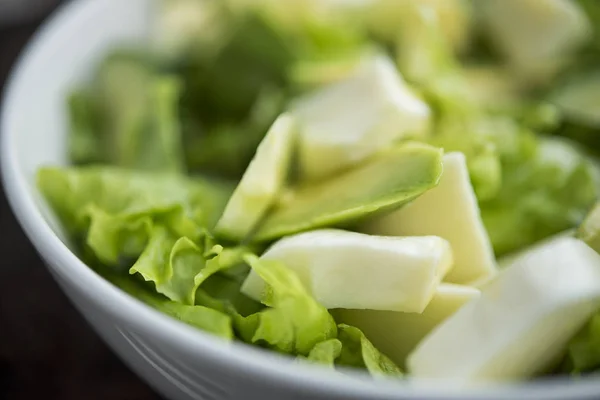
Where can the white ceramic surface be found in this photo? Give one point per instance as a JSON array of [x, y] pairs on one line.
[[177, 360]]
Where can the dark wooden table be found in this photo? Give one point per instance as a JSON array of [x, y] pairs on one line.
[[47, 351]]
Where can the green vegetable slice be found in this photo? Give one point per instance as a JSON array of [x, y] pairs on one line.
[[358, 193], [262, 182]]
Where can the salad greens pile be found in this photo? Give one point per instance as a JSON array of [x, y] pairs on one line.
[[161, 136]]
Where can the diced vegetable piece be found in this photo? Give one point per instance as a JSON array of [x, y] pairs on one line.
[[450, 211], [349, 120], [262, 182], [397, 333], [183, 25], [522, 322], [423, 52], [579, 99], [386, 18], [536, 36], [345, 269], [368, 189]]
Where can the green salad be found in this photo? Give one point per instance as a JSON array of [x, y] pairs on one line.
[[406, 187]]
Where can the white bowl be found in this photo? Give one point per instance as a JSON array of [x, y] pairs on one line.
[[177, 360]]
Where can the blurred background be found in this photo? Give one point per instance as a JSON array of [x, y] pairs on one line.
[[46, 350]]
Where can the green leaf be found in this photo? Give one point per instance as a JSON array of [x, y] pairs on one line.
[[224, 259], [294, 322], [114, 210], [179, 266], [326, 352], [172, 264], [226, 148], [540, 196], [358, 351], [583, 353], [128, 117], [204, 318], [85, 121]]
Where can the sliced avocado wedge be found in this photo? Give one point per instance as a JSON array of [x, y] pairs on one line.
[[383, 183], [262, 182]]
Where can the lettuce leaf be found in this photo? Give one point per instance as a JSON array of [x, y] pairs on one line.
[[325, 353], [294, 322], [583, 354], [225, 109], [357, 351], [204, 318], [546, 194], [179, 266], [113, 211], [529, 186], [85, 141], [129, 116]]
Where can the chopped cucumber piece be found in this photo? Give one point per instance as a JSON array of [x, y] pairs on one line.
[[450, 211], [521, 324], [344, 123], [396, 334], [345, 269]]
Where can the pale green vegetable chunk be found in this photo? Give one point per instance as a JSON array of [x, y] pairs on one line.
[[397, 333], [536, 36], [579, 99], [368, 189], [343, 269], [351, 119], [423, 52], [262, 182], [450, 211], [521, 324], [386, 18]]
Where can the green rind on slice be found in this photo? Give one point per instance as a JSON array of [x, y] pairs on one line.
[[385, 182], [262, 182]]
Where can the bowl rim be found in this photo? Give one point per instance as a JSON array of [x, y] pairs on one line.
[[237, 357]]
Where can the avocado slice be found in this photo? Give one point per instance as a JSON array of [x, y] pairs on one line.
[[262, 182], [383, 183]]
